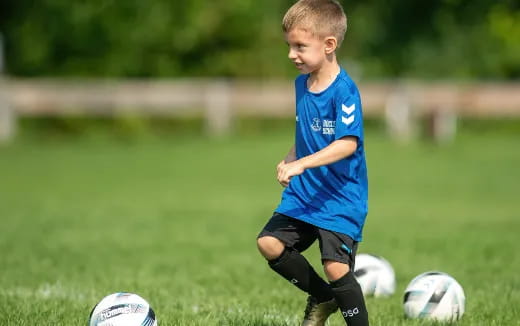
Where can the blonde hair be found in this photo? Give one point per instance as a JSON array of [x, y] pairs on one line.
[[320, 17]]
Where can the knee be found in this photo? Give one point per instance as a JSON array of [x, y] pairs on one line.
[[270, 247], [335, 270]]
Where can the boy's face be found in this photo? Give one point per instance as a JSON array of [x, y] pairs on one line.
[[306, 51]]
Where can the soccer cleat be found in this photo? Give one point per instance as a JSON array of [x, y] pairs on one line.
[[317, 313]]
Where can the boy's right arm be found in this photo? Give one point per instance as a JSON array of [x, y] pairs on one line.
[[291, 156]]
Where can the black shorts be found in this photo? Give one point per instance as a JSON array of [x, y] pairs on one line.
[[301, 235]]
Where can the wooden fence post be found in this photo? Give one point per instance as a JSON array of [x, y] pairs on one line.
[[218, 114], [399, 117], [7, 115], [441, 124]]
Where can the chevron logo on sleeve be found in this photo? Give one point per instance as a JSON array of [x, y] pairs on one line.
[[348, 110], [348, 120]]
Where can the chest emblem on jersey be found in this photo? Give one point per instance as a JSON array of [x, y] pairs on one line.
[[316, 124], [329, 127]]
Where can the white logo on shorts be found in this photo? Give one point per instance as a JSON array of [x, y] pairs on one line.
[[350, 312]]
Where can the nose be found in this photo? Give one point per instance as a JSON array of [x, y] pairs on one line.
[[292, 54]]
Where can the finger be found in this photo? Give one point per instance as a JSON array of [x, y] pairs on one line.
[[282, 173], [280, 176], [285, 179], [282, 182], [279, 166]]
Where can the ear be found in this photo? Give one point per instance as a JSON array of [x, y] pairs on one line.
[[331, 43]]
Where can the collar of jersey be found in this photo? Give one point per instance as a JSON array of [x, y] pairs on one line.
[[338, 76]]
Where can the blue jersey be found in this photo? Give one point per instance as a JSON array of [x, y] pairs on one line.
[[332, 197]]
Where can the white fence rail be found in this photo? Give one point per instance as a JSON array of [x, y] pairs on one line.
[[219, 101]]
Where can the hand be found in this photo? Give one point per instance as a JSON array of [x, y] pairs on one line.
[[288, 170]]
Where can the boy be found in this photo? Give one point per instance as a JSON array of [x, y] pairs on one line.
[[324, 173]]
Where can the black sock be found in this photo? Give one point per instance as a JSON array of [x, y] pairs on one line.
[[297, 270], [350, 300]]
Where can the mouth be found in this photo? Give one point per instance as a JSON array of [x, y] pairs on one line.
[[298, 65]]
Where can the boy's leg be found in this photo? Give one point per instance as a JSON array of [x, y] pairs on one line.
[[350, 300], [296, 269], [296, 236], [338, 255]]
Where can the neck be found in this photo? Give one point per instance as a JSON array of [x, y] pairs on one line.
[[320, 79]]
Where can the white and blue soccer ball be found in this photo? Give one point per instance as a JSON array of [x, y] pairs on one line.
[[122, 309], [375, 275], [434, 295]]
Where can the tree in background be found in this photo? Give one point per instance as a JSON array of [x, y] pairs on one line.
[[242, 38]]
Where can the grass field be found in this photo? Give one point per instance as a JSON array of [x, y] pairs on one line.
[[175, 221]]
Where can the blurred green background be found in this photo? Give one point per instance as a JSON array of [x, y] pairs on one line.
[[443, 39]]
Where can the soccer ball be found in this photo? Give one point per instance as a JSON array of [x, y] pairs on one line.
[[122, 309], [434, 295], [375, 275]]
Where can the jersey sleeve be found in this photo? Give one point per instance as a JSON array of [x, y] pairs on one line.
[[349, 117]]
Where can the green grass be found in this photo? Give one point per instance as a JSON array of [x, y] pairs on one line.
[[175, 221]]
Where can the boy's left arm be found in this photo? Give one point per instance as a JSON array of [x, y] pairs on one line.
[[337, 150]]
